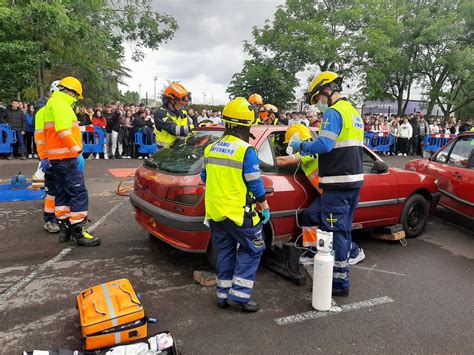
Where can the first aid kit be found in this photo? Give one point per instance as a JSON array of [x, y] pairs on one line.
[[162, 343], [111, 314]]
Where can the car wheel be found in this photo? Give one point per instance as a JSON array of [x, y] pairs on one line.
[[415, 215]]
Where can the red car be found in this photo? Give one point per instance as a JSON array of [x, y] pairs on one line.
[[453, 167], [168, 192]]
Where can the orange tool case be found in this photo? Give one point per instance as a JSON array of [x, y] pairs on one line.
[[111, 314]]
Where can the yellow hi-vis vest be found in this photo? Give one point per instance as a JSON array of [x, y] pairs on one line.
[[310, 165], [342, 167], [165, 139], [227, 195]]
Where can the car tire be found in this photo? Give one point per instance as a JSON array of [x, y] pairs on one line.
[[415, 215]]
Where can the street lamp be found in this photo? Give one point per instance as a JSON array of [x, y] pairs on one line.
[[139, 92], [155, 79], [204, 94]]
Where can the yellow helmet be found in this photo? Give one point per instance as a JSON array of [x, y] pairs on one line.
[[271, 108], [239, 111], [256, 99], [301, 129], [73, 84], [320, 82]]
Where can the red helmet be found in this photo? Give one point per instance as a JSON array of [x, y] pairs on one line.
[[177, 92]]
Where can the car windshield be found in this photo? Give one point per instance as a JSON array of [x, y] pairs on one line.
[[186, 154]]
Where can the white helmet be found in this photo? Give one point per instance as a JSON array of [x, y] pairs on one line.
[[54, 86]]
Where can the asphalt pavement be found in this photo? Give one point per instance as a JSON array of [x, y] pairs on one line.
[[412, 299]]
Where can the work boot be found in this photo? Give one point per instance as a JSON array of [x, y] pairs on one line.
[[222, 303], [52, 227], [64, 231], [23, 157], [250, 306], [340, 292], [82, 237]]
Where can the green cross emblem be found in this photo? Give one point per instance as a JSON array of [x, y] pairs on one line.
[[331, 220]]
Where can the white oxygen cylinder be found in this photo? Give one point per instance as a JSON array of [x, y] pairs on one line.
[[323, 269]]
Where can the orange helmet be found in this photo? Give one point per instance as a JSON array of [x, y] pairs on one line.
[[256, 99], [177, 92]]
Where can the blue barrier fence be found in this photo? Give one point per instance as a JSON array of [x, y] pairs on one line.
[[434, 142], [7, 139], [145, 146], [93, 140]]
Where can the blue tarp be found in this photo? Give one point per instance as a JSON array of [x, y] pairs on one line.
[[9, 195]]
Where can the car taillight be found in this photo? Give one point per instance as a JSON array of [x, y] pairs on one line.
[[187, 195]]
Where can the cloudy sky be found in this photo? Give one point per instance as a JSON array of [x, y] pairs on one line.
[[205, 51]]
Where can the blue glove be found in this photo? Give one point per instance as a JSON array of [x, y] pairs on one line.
[[266, 215], [45, 165], [295, 144], [80, 163]]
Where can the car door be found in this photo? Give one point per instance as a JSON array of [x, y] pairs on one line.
[[453, 167], [286, 191], [379, 200]]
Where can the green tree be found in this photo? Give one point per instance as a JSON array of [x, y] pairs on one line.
[[388, 49], [131, 97], [274, 84], [84, 38]]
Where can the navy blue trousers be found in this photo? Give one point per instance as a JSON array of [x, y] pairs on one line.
[[239, 253]]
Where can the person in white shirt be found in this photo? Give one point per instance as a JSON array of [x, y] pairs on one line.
[[434, 127], [405, 132]]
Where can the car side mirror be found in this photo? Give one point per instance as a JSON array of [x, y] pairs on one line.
[[380, 167]]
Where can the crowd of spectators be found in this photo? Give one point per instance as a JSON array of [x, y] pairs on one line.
[[122, 121]]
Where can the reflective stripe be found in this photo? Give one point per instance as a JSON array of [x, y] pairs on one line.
[[224, 283], [65, 133], [62, 208], [58, 151], [82, 213], [243, 282], [329, 134], [252, 176], [341, 264], [76, 148], [340, 275], [186, 129], [340, 178], [238, 294], [75, 123], [224, 162], [37, 131], [112, 314], [348, 143], [49, 125], [40, 142], [221, 295], [177, 130]]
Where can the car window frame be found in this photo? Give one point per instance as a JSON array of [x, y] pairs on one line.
[[266, 139], [469, 158], [434, 159]]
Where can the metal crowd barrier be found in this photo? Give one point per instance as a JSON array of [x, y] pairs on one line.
[[93, 140], [7, 139]]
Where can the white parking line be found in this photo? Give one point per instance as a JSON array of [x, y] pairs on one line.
[[378, 270], [301, 317], [34, 274]]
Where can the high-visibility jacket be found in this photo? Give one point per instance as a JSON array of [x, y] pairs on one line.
[[310, 166], [39, 134], [164, 138], [342, 167], [227, 194], [63, 138]]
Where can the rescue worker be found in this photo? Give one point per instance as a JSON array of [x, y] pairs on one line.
[[171, 120], [268, 115], [63, 143], [339, 147], [309, 164], [233, 186], [49, 217], [256, 99]]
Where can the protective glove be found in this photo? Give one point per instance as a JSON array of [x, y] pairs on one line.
[[80, 163], [45, 165], [266, 215], [295, 144]]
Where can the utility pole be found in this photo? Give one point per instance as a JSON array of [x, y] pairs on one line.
[[139, 92], [204, 94], [154, 79]]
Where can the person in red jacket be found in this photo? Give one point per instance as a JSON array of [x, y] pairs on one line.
[[100, 121]]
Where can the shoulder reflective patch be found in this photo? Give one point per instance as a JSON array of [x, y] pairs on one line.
[[357, 122]]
